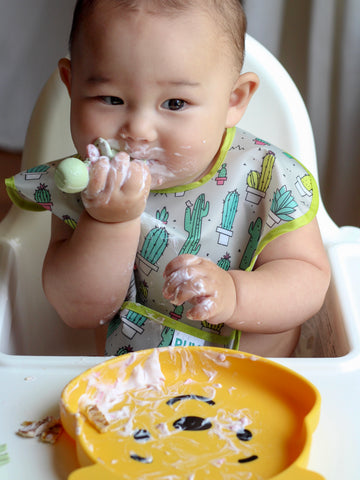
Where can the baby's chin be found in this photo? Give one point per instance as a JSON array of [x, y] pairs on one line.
[[161, 176], [159, 182]]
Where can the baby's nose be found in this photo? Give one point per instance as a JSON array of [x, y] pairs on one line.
[[140, 128]]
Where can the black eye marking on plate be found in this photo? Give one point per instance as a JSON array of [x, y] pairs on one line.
[[140, 459], [190, 397], [142, 435], [244, 435], [248, 459], [192, 423]]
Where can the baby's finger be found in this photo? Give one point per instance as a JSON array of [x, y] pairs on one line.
[[184, 285], [179, 262], [205, 309], [120, 164], [109, 176], [92, 152], [138, 178], [98, 172]]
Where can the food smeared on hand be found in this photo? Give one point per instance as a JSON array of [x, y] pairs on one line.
[[72, 174]]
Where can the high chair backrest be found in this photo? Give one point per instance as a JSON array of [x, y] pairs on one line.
[[276, 113]]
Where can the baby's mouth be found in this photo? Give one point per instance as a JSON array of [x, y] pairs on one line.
[[147, 160], [153, 157], [143, 152]]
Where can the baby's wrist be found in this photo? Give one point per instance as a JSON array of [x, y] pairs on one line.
[[234, 319], [112, 219]]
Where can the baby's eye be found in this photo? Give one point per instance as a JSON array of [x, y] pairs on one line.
[[174, 104], [109, 100]]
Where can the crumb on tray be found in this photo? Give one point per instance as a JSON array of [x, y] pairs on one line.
[[48, 429], [97, 418]]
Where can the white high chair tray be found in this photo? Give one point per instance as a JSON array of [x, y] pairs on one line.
[[31, 386]]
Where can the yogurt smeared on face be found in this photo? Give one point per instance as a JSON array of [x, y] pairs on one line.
[[156, 158]]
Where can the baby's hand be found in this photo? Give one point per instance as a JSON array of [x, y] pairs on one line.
[[201, 282], [118, 188]]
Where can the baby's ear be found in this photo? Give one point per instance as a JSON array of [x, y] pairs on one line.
[[64, 66], [244, 88]]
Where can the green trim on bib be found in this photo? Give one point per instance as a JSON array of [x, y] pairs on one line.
[[18, 200], [236, 345], [157, 317], [226, 144]]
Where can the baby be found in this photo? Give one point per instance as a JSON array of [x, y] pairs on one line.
[[176, 242]]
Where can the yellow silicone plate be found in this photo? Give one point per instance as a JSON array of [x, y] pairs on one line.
[[191, 413]]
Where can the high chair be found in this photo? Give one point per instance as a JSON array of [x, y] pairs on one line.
[[28, 324], [39, 354]]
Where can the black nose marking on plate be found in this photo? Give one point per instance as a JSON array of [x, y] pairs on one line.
[[192, 423]]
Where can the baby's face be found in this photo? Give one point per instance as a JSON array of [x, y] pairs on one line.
[[159, 85]]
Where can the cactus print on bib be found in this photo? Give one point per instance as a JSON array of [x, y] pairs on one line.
[[254, 193]]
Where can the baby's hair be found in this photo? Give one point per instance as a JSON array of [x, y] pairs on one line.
[[228, 13]]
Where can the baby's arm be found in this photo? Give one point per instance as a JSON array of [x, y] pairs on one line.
[[86, 272], [286, 287]]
